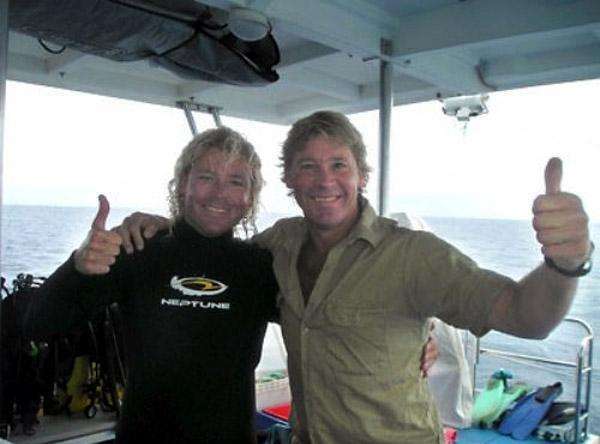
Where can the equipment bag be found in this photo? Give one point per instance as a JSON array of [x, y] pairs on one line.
[[73, 372], [182, 36], [22, 360]]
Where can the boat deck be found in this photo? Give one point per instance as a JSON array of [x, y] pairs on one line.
[[478, 436], [61, 428], [79, 429]]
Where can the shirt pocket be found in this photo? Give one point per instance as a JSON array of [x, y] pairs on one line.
[[353, 340]]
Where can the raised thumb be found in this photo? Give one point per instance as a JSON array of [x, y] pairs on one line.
[[553, 175], [102, 214]]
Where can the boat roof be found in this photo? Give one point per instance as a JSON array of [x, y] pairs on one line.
[[331, 52]]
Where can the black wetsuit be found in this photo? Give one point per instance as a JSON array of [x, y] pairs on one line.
[[193, 343]]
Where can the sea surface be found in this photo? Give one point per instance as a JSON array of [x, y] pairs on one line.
[[38, 239]]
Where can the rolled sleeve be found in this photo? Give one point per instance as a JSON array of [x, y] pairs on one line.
[[452, 287]]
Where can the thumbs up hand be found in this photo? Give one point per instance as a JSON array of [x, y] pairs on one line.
[[101, 247], [560, 222]]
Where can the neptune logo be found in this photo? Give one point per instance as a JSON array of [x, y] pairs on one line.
[[197, 286]]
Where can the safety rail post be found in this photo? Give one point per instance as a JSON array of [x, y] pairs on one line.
[[578, 394], [581, 366], [588, 397]]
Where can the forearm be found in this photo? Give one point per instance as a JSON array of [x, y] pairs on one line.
[[535, 305]]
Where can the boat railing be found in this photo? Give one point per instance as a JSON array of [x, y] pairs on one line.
[[582, 366]]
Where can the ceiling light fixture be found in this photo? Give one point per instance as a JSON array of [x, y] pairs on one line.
[[248, 24]]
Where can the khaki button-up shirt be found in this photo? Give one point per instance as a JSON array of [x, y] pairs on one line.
[[354, 349]]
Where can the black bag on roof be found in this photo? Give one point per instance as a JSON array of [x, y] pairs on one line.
[[182, 36]]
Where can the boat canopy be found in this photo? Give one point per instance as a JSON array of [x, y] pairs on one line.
[[331, 52]]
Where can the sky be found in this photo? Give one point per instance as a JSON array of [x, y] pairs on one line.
[[63, 148]]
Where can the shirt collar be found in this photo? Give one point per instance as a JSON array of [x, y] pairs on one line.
[[366, 226]]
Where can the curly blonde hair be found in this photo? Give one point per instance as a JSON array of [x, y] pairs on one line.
[[232, 143]]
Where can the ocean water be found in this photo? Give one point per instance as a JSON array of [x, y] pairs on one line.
[[38, 239]]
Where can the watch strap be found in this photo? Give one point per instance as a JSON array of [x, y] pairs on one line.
[[582, 270]]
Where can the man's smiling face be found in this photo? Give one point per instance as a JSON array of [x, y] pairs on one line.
[[325, 181], [217, 192]]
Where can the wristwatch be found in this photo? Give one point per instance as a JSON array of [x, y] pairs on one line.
[[582, 270]]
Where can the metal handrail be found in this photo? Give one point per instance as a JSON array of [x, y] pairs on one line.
[[581, 365]]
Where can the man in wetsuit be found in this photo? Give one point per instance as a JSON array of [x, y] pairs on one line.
[[195, 302], [357, 291]]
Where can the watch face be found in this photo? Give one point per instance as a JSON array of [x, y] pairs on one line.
[[586, 267]]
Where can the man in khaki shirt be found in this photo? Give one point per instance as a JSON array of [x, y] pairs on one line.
[[353, 344], [356, 291]]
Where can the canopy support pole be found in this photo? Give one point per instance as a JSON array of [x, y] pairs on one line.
[[3, 74], [190, 117], [386, 72], [189, 105], [216, 116]]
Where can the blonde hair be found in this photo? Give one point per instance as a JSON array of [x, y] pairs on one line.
[[232, 143]]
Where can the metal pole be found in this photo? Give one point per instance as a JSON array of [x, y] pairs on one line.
[[588, 395], [385, 113], [190, 117], [3, 73], [216, 117]]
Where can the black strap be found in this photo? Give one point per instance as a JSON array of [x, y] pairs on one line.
[[582, 270]]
